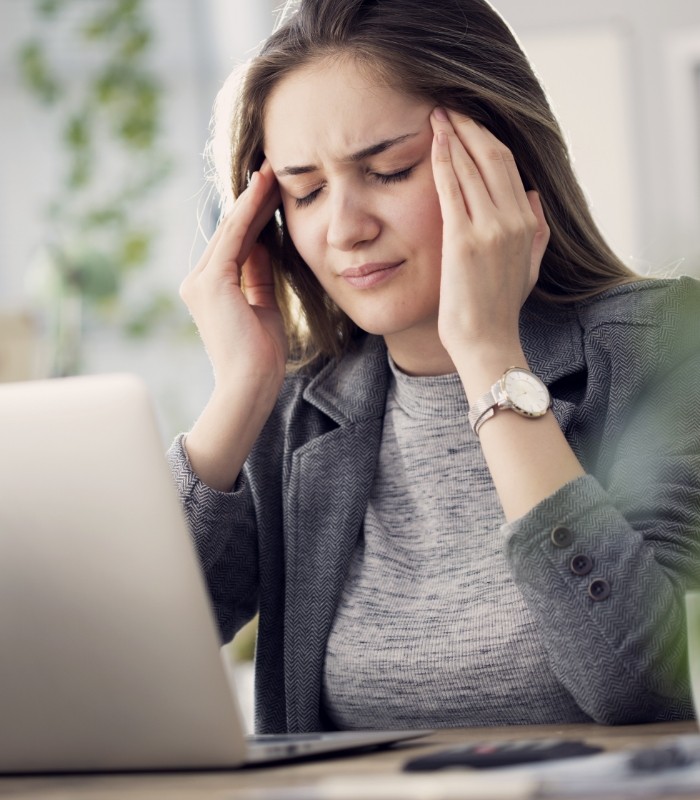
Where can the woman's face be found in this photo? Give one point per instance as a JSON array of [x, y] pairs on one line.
[[352, 158]]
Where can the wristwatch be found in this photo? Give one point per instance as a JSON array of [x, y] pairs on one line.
[[518, 390]]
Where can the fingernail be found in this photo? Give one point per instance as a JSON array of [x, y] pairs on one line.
[[442, 138], [440, 113]]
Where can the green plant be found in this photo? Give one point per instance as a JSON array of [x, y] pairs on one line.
[[101, 228]]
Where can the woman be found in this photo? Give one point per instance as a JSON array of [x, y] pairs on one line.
[[432, 538]]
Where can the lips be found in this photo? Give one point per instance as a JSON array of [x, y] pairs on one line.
[[371, 274]]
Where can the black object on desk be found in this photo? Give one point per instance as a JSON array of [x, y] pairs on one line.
[[500, 754]]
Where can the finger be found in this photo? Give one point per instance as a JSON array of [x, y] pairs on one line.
[[473, 189], [495, 163], [245, 196], [226, 255], [209, 249], [452, 203], [241, 228], [270, 201], [219, 232], [258, 278]]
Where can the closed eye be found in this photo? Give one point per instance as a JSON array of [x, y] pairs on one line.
[[302, 202], [394, 177]]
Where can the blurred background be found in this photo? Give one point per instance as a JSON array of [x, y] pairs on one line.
[[105, 206], [104, 203]]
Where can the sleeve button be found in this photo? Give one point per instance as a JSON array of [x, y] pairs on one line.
[[599, 589], [561, 536], [581, 564]]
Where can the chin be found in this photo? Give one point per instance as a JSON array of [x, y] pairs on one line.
[[376, 328], [386, 327], [393, 320]]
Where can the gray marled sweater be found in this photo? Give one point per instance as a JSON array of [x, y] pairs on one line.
[[431, 629], [602, 565]]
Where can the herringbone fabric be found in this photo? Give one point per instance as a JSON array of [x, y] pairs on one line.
[[624, 372], [431, 630]]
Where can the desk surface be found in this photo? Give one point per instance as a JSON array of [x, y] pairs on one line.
[[267, 782]]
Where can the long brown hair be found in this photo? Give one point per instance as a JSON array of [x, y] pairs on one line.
[[456, 53]]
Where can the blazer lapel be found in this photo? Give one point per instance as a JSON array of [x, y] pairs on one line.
[[552, 343], [331, 478], [330, 481]]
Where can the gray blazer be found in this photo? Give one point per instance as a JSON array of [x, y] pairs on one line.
[[624, 373]]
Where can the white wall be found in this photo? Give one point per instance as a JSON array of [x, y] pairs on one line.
[[592, 100], [660, 119], [198, 42]]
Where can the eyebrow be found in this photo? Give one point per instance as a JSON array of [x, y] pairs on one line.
[[360, 155]]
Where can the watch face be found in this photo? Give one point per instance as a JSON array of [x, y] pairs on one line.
[[527, 394]]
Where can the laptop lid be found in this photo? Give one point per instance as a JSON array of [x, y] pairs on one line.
[[109, 655]]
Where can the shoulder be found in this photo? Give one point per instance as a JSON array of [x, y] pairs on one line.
[[326, 393], [632, 328], [653, 322], [652, 303], [639, 342]]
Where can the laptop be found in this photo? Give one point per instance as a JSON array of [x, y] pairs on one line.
[[109, 653]]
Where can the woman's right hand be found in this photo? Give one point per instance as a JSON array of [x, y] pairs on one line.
[[243, 334]]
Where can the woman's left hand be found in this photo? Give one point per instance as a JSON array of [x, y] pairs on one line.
[[494, 237]]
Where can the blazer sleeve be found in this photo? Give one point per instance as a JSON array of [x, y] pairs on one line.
[[223, 529], [604, 563]]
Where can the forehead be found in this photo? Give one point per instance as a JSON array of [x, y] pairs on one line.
[[334, 108]]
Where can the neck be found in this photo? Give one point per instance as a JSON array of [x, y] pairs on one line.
[[419, 352]]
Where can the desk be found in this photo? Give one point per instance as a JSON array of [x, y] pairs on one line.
[[262, 783]]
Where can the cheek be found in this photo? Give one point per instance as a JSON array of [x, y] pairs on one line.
[[298, 225], [431, 210], [421, 217]]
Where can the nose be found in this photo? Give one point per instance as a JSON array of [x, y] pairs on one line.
[[351, 220]]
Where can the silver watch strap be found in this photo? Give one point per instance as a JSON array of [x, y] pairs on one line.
[[483, 409]]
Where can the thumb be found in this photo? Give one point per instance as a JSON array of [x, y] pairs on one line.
[[258, 278]]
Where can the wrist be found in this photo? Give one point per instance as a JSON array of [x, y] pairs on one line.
[[224, 433], [251, 389], [518, 390], [480, 368]]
